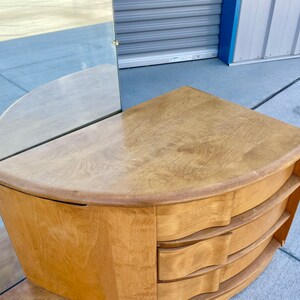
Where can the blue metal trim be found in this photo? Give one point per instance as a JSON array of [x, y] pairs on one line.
[[228, 29]]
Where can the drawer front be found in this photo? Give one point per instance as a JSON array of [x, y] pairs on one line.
[[256, 193], [176, 263], [186, 289], [196, 284], [235, 267], [173, 264], [180, 220], [248, 234]]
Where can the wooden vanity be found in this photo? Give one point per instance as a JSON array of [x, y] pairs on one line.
[[185, 196]]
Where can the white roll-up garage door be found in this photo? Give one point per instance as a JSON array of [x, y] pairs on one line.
[[164, 31]]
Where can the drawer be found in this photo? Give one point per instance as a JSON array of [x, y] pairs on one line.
[[179, 262], [177, 259], [179, 220], [211, 278]]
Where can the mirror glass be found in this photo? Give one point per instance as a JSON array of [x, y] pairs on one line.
[[58, 69], [58, 73]]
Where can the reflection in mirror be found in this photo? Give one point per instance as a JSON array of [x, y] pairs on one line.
[[58, 73], [58, 69]]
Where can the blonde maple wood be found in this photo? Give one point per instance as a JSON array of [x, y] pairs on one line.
[[178, 263], [238, 221], [187, 288], [182, 146], [179, 220], [83, 252], [237, 283], [89, 208], [247, 234], [233, 261]]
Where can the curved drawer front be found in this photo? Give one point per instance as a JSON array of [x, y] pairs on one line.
[[180, 220], [185, 289], [176, 263], [248, 234], [235, 267], [256, 193], [235, 264], [173, 264], [190, 287]]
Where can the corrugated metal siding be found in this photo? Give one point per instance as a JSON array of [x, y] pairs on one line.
[[268, 29], [163, 31]]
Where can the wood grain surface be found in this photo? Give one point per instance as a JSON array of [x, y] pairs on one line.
[[248, 234], [241, 220], [83, 252], [188, 288], [176, 263], [20, 18], [238, 261], [180, 220], [185, 289], [237, 283], [178, 147]]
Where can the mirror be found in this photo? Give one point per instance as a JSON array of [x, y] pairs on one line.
[[58, 73], [58, 69]]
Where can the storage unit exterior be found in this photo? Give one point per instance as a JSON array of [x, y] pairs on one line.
[[257, 30], [155, 32]]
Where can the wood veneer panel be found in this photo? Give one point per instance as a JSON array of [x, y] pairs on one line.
[[237, 283], [240, 260], [178, 147], [178, 263], [185, 289], [180, 220], [248, 234], [292, 205], [241, 220], [188, 288], [83, 252], [258, 192]]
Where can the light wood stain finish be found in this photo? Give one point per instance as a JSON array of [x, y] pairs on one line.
[[173, 264], [245, 235], [179, 262], [234, 262], [78, 251], [237, 283], [241, 220], [182, 146], [188, 288], [185, 180], [179, 220]]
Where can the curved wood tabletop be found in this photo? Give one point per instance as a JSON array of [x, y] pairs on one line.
[[59, 107], [178, 147]]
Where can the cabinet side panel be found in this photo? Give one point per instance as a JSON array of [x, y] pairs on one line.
[[83, 252]]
